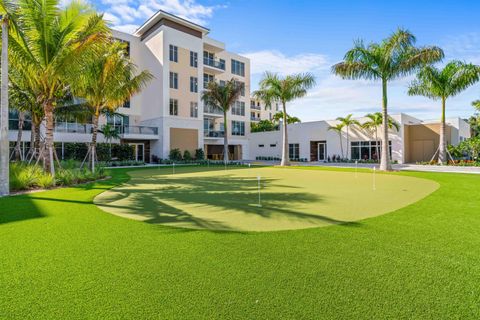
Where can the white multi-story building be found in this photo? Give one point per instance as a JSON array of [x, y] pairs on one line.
[[169, 113]]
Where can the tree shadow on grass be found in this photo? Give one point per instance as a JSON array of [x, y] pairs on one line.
[[18, 208], [154, 200]]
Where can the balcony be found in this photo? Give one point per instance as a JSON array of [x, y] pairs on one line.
[[211, 110], [138, 130], [73, 127], [214, 64], [214, 134], [252, 118], [255, 107]]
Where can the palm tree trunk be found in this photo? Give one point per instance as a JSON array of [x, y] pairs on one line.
[[225, 138], [35, 139], [18, 144], [348, 141], [4, 145], [93, 150], [376, 144], [385, 164], [49, 120], [285, 159], [341, 142], [442, 148]]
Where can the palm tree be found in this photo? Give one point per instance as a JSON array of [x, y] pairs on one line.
[[441, 84], [4, 144], [348, 122], [393, 58], [338, 128], [476, 105], [275, 88], [50, 43], [277, 117], [223, 97], [105, 82], [375, 121], [110, 133]]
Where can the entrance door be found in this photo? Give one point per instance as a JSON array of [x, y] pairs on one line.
[[138, 151], [322, 151]]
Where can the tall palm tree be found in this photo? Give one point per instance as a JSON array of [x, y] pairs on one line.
[[338, 128], [348, 122], [109, 132], [275, 88], [4, 144], [476, 105], [375, 121], [441, 84], [393, 58], [223, 97], [50, 42], [105, 82]]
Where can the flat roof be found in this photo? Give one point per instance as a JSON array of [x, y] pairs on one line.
[[165, 15]]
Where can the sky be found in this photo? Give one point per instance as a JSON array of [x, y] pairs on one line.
[[310, 36]]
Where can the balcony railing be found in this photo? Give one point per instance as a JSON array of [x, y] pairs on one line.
[[219, 64], [254, 107], [139, 130], [254, 118], [214, 134], [73, 127], [212, 110], [13, 124]]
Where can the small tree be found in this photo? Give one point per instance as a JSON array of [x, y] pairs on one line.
[[223, 97], [375, 121], [109, 133], [338, 128], [348, 122]]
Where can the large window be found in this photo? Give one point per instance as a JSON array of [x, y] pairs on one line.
[[193, 59], [242, 84], [367, 150], [207, 78], [238, 108], [173, 80], [194, 109], [193, 84], [294, 151], [238, 128], [173, 53], [173, 107], [238, 68]]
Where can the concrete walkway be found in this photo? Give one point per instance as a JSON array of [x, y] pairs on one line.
[[397, 167]]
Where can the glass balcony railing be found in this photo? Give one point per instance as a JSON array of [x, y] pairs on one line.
[[254, 107], [212, 110], [139, 130], [254, 118], [219, 64], [73, 127], [214, 134]]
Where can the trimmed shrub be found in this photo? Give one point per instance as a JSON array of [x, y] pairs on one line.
[[199, 154], [175, 155], [187, 156]]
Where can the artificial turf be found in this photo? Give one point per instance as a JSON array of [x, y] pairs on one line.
[[229, 200], [63, 258]]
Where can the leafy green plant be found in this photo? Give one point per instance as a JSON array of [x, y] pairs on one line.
[[187, 156], [175, 155], [45, 181], [199, 154]]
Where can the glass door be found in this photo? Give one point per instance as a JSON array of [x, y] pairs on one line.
[[138, 151], [322, 151]]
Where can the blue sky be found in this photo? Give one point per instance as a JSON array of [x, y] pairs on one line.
[[301, 36]]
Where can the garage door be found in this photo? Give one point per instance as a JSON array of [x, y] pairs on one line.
[[423, 150]]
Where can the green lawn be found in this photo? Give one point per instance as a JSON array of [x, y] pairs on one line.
[[290, 199], [62, 257]]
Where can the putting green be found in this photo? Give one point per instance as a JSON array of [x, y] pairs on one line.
[[200, 198]]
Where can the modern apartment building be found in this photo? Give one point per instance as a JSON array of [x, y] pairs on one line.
[[169, 113], [259, 111], [415, 141]]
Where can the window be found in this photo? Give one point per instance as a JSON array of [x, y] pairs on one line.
[[173, 80], [194, 109], [240, 83], [193, 84], [126, 104], [193, 59], [294, 151], [273, 145], [276, 107], [238, 128], [173, 107], [238, 108], [367, 150], [222, 83], [173, 53], [261, 145], [238, 68], [207, 78]]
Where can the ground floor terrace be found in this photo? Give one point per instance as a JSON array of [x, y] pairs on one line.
[[197, 244]]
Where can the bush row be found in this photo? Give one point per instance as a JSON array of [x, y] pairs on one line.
[[78, 151]]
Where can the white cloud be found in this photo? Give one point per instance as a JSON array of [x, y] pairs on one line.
[[125, 14], [275, 61]]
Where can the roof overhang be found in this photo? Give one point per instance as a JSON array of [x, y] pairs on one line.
[[155, 20]]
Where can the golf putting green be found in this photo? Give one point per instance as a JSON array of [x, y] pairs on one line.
[[215, 199]]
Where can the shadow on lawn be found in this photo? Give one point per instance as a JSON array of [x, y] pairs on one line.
[[153, 200], [18, 208]]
